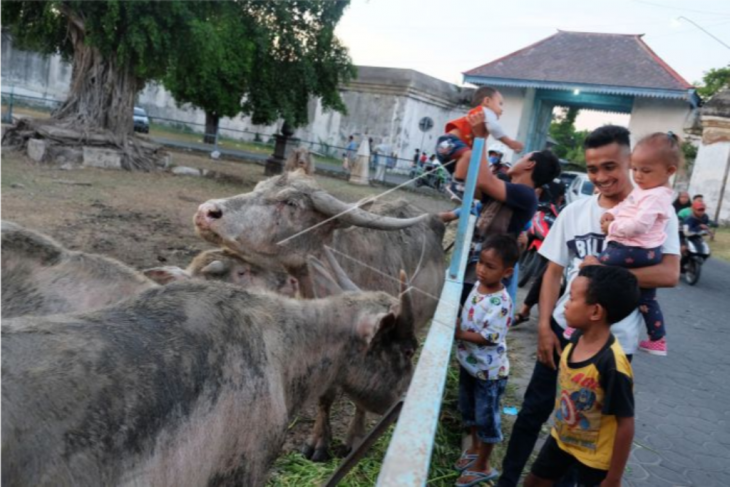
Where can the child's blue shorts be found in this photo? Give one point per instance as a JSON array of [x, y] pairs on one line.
[[448, 148], [479, 403]]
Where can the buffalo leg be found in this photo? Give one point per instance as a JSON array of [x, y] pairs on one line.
[[317, 446], [356, 431]]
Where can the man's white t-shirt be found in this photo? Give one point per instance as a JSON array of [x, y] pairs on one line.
[[577, 234]]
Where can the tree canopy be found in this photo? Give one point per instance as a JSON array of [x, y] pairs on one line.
[[569, 140], [264, 59], [713, 81]]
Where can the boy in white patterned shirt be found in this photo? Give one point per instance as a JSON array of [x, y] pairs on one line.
[[482, 353]]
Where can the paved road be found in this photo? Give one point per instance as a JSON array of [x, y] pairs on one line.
[[682, 400]]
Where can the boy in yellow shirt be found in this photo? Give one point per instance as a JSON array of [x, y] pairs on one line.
[[594, 411]]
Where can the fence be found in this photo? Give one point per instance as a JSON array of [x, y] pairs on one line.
[[243, 144], [408, 458]]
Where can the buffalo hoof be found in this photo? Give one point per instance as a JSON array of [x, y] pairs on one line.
[[308, 451], [320, 455], [342, 451]]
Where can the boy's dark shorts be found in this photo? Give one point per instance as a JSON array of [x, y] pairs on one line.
[[552, 463], [449, 148], [479, 403]]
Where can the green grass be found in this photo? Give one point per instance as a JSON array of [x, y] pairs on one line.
[[721, 245]]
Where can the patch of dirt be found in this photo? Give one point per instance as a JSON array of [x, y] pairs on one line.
[[145, 220]]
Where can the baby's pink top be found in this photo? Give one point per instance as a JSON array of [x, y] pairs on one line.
[[641, 219]]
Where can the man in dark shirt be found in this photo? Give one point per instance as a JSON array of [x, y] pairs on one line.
[[518, 195], [698, 219]]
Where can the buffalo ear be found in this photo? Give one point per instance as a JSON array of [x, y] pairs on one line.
[[372, 328], [167, 274]]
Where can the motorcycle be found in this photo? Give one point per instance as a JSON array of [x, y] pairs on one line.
[[698, 251], [530, 262], [433, 176]]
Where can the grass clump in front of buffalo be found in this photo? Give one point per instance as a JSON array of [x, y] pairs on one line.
[[294, 470]]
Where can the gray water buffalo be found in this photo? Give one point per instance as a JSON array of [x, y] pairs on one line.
[[41, 277], [189, 384], [300, 158], [374, 382], [226, 266], [289, 217]]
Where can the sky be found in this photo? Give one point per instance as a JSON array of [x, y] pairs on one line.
[[445, 38]]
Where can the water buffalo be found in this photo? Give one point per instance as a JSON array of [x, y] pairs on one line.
[[300, 158], [289, 217], [41, 277], [374, 382], [189, 384], [226, 266]]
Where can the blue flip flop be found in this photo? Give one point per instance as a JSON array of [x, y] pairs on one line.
[[479, 477], [472, 457]]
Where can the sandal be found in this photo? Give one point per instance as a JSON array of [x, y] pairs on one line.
[[471, 457], [520, 318], [479, 477]]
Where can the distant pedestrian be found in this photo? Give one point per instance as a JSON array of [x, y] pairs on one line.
[[682, 201], [685, 212], [416, 157], [373, 154], [392, 160], [350, 154]]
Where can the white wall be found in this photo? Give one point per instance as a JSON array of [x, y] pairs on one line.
[[657, 115], [707, 178]]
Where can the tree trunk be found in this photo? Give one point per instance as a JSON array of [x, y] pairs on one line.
[[102, 92], [98, 111], [211, 127]]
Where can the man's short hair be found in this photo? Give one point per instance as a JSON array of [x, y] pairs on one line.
[[480, 94], [614, 288], [698, 197], [608, 134], [547, 167], [505, 246]]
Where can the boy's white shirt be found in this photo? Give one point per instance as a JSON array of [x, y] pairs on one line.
[[577, 234], [490, 316]]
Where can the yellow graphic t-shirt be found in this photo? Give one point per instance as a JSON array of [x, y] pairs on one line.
[[591, 394]]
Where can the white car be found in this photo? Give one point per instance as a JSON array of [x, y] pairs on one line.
[[141, 121], [580, 187]]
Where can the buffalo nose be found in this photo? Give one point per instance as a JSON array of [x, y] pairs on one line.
[[207, 213]]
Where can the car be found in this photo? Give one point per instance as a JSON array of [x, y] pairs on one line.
[[581, 187], [567, 177], [141, 121]]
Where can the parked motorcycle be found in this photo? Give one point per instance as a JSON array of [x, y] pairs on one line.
[[698, 251], [530, 262], [433, 176]]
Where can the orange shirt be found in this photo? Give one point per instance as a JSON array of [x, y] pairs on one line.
[[464, 127]]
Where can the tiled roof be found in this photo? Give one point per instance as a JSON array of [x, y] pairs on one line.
[[587, 59]]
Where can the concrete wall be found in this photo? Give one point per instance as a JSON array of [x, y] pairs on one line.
[[708, 175], [657, 115]]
